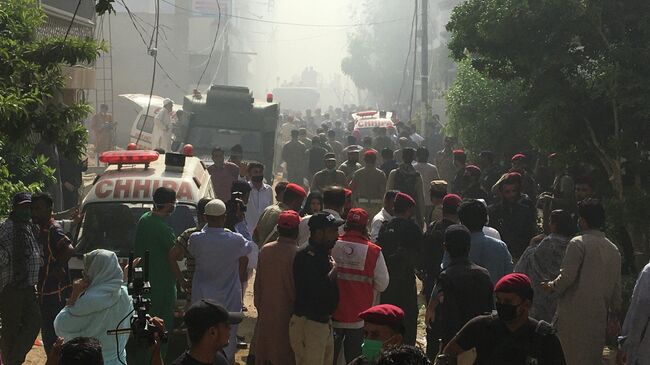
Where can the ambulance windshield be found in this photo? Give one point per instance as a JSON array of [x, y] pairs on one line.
[[112, 225]]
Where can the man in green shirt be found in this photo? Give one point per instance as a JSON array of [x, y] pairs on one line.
[[154, 235]]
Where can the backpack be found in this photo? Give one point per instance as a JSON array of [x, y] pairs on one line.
[[406, 182]]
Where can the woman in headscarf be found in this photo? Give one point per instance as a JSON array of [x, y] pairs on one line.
[[98, 303], [541, 262], [313, 204]]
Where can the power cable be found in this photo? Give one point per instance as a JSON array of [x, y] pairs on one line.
[[214, 42], [71, 21], [223, 48], [415, 59], [133, 21], [154, 53], [284, 23], [406, 61]]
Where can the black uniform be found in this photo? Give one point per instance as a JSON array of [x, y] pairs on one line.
[[400, 241], [517, 224], [533, 343]]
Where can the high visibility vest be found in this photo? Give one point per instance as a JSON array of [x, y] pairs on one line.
[[356, 258]]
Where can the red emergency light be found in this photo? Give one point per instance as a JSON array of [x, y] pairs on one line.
[[128, 157], [367, 113], [269, 97]]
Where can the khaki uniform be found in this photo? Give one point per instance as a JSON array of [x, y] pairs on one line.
[[325, 178], [265, 231], [349, 169], [293, 153], [368, 188], [444, 161]]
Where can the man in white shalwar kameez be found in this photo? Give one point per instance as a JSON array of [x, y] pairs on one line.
[[589, 288]]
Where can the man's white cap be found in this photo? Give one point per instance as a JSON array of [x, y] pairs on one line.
[[168, 101], [215, 208]]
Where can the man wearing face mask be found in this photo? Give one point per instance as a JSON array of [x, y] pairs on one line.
[[208, 329], [20, 261], [329, 176], [154, 235], [383, 328], [317, 293], [510, 336]]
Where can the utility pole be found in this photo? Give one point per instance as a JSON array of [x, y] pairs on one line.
[[424, 68]]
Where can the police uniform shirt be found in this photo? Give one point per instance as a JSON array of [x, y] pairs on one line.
[[495, 344]]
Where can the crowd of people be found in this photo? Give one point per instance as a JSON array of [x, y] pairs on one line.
[[513, 266]]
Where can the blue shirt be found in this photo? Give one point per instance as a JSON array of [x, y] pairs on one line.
[[217, 252], [489, 253]]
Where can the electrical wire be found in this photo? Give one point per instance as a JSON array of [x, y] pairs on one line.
[[71, 21], [415, 59], [117, 336], [214, 42], [284, 23], [406, 61], [135, 25], [155, 64]]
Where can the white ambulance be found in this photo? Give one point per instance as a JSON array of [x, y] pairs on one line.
[[144, 128], [123, 193]]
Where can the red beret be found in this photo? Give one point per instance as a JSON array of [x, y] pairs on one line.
[[473, 170], [459, 153], [297, 189], [512, 178], [519, 156], [404, 198], [289, 219], [358, 216], [383, 314], [451, 200], [370, 152], [517, 283]]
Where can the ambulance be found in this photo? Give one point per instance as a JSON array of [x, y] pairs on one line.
[[122, 193], [142, 128], [366, 121]]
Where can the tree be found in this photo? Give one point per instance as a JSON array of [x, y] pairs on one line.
[[587, 79], [487, 114], [377, 53], [31, 100]]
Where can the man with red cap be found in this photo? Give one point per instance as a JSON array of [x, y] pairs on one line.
[[472, 183], [362, 275], [458, 181], [432, 253], [513, 216], [510, 336], [368, 185], [292, 199], [528, 184], [400, 240], [383, 328], [275, 293]]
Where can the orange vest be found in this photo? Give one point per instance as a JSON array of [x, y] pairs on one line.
[[356, 258]]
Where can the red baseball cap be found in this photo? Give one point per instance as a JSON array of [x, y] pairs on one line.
[[358, 216], [404, 198], [519, 156], [289, 219], [297, 189], [383, 314]]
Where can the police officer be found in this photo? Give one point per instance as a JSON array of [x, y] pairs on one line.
[[400, 241], [437, 192], [510, 336], [329, 176], [351, 165], [369, 185], [293, 153], [472, 182]]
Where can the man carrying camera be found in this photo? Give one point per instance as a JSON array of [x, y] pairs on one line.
[[219, 279]]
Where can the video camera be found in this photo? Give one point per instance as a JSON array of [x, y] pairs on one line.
[[143, 330]]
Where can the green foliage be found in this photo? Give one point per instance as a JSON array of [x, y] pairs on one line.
[[487, 114], [584, 65], [31, 97]]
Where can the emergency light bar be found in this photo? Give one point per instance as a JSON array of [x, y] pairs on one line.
[[128, 157]]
